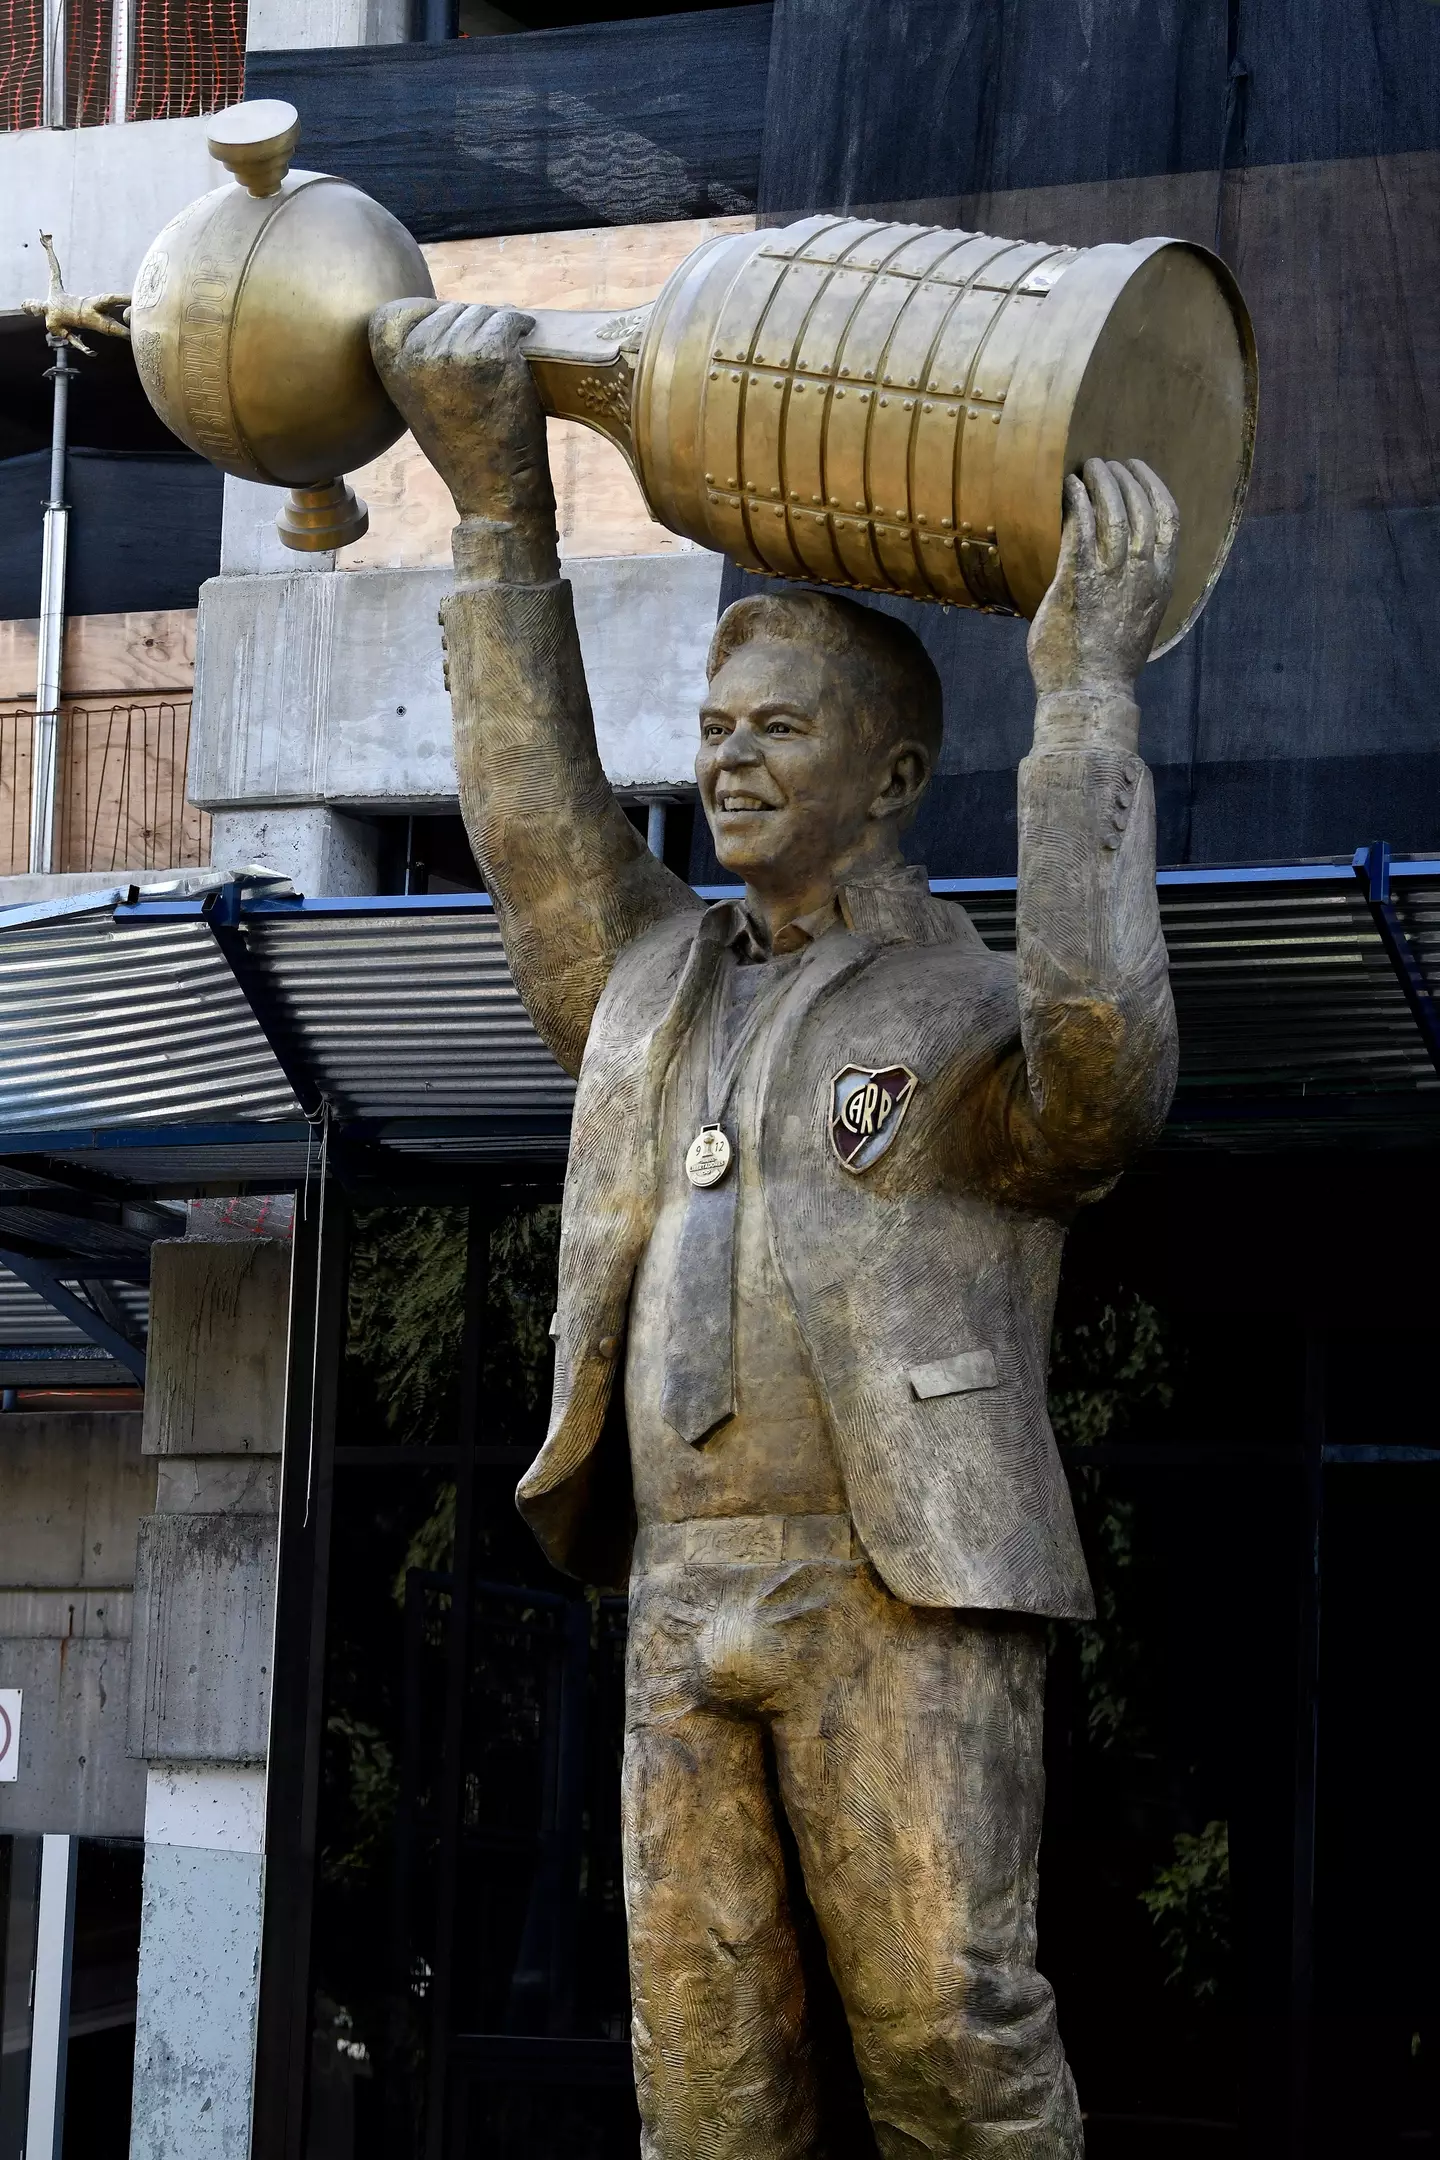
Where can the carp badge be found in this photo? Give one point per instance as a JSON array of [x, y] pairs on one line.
[[865, 1111]]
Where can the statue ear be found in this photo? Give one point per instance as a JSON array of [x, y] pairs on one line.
[[907, 778]]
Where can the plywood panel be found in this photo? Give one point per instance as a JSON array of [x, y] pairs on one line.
[[599, 506], [105, 655]]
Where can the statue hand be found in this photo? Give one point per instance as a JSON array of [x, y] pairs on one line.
[[457, 374], [1097, 623]]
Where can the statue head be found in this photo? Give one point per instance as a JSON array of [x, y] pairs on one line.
[[817, 738]]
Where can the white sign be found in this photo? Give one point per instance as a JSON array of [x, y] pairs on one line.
[[9, 1735]]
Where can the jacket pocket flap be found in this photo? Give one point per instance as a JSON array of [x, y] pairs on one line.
[[957, 1375]]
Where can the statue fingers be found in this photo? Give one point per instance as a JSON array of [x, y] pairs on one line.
[[404, 330], [498, 334], [1077, 533], [1140, 511], [1167, 516], [1112, 526]]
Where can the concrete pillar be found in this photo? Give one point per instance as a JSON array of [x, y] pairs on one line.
[[292, 25], [320, 850], [200, 1685]]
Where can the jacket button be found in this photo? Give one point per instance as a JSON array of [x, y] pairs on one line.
[[608, 1345], [1117, 818], [1130, 771]]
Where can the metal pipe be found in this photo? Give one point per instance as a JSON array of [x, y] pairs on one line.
[[439, 21], [655, 829], [45, 743], [50, 2029], [53, 62], [122, 41]]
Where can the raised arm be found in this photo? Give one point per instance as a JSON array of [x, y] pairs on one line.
[[1092, 1079], [570, 878]]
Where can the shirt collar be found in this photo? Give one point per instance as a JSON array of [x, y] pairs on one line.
[[854, 906]]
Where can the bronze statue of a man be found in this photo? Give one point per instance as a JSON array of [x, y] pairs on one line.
[[825, 1149]]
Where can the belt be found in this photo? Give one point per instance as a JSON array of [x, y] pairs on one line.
[[766, 1539]]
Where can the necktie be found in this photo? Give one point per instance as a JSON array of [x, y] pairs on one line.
[[698, 1391]]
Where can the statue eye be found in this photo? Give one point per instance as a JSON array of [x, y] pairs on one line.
[[778, 727]]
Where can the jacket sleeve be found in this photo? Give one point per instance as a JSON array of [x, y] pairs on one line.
[[571, 879], [1090, 1080]]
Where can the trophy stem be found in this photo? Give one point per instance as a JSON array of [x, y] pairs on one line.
[[314, 520]]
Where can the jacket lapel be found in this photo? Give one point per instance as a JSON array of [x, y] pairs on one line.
[[833, 961], [696, 978]]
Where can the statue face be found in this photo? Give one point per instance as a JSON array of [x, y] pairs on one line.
[[787, 782]]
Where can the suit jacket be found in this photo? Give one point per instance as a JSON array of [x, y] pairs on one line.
[[924, 1285]]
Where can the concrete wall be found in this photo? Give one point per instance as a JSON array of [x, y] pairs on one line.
[[329, 688], [293, 25], [103, 192], [73, 1489]]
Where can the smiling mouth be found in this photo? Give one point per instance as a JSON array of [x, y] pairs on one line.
[[730, 801]]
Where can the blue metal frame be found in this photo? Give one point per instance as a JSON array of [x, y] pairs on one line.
[[1372, 866], [44, 1276], [223, 912]]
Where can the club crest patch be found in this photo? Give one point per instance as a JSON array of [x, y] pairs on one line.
[[866, 1108]]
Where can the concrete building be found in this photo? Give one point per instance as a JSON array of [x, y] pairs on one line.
[[308, 1831]]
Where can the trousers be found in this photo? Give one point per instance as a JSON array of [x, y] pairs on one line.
[[802, 1748]]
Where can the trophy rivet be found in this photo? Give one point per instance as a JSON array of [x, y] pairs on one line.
[[996, 418], [928, 406], [884, 401], [714, 374], [817, 498], [709, 479], [734, 377], [909, 404], [946, 521], [920, 520]]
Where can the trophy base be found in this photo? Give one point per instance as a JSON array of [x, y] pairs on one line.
[[314, 520]]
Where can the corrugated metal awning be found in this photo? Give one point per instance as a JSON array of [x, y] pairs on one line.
[[174, 1043]]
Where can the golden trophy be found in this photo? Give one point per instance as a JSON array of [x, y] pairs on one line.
[[248, 322], [885, 406]]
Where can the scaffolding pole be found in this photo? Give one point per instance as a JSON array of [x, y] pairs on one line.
[[45, 743]]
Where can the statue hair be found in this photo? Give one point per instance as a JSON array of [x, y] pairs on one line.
[[898, 694]]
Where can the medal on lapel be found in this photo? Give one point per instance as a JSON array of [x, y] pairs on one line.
[[866, 1107], [708, 1156]]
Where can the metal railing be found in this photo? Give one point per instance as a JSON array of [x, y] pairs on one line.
[[120, 801]]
